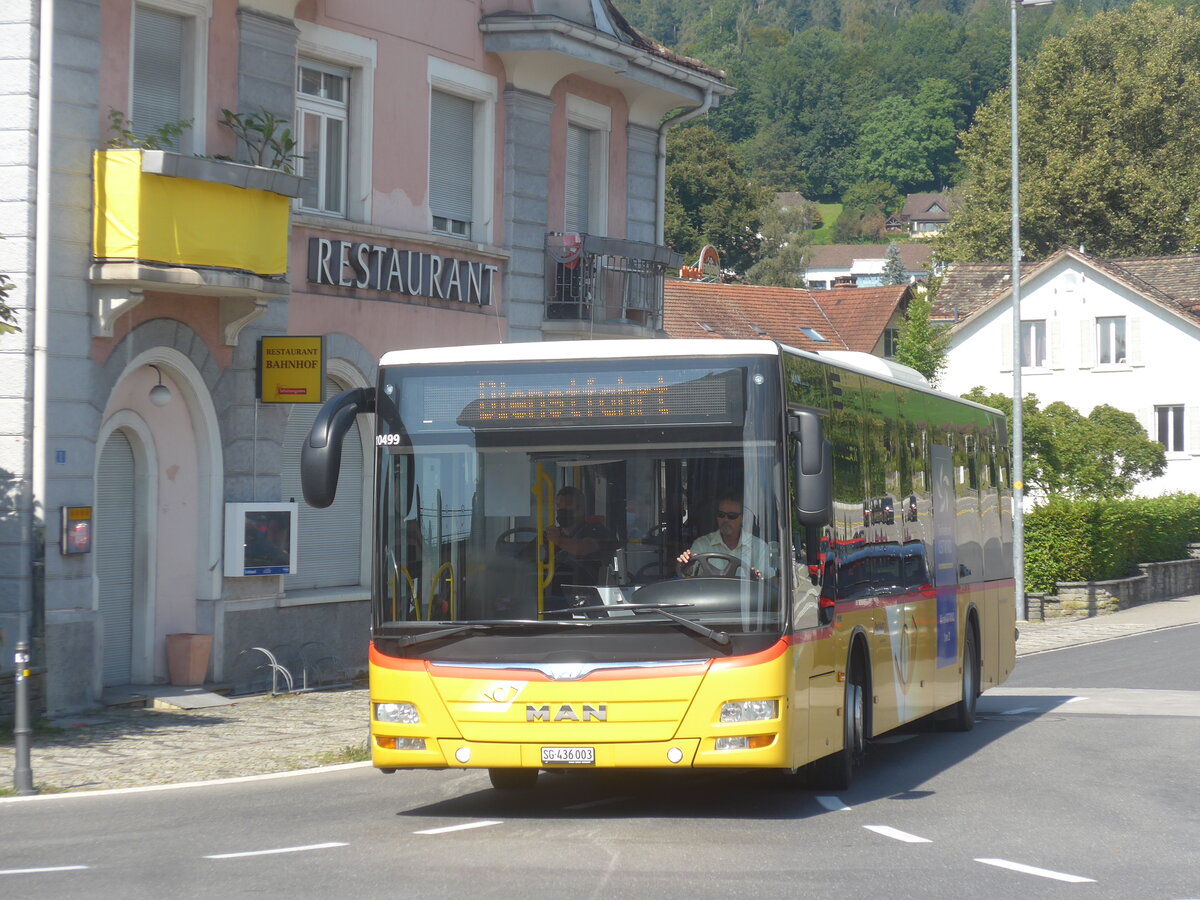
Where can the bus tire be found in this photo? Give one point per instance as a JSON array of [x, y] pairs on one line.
[[962, 714], [835, 772], [513, 779]]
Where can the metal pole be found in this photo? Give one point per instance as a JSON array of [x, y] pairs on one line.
[[22, 771], [1018, 461]]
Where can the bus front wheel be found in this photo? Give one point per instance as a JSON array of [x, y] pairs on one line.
[[835, 771], [513, 779]]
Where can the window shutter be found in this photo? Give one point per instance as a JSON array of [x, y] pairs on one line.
[[578, 185], [1087, 343], [1192, 413], [158, 53], [329, 545], [451, 156], [1133, 347], [1006, 347], [1056, 350]]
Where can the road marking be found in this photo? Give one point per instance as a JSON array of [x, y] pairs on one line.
[[277, 850], [888, 831], [1018, 710], [592, 803], [1076, 699], [462, 827], [833, 804], [1034, 870], [40, 871]]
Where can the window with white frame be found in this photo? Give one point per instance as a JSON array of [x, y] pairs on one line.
[[1033, 343], [167, 45], [585, 197], [335, 84], [451, 163], [1168, 425], [322, 133], [1110, 340]]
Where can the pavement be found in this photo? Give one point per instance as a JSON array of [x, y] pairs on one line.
[[195, 736]]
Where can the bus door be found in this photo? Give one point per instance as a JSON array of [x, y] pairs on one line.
[[945, 576]]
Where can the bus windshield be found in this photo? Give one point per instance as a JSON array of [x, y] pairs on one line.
[[542, 497]]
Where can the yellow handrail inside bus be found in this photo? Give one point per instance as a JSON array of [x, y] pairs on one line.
[[433, 586], [412, 591], [543, 493]]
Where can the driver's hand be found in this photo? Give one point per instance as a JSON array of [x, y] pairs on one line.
[[684, 557], [756, 575]]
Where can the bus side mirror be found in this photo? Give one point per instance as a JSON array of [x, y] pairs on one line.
[[812, 467], [321, 454]]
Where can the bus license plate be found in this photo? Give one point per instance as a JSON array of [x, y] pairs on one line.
[[568, 756]]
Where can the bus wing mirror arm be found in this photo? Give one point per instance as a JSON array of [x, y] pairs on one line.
[[813, 469], [321, 454]]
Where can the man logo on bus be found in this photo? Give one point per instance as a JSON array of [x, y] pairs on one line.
[[566, 713]]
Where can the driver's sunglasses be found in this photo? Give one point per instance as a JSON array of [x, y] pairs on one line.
[[728, 515]]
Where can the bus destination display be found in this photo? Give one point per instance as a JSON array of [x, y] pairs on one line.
[[523, 401]]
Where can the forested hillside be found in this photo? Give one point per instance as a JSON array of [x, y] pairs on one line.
[[834, 92]]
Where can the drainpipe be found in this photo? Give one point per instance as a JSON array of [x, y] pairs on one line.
[[660, 208], [41, 312]]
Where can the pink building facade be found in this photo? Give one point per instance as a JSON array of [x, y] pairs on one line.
[[466, 171]]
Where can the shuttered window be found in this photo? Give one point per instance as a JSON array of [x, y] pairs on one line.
[[579, 179], [329, 545], [451, 163], [159, 52], [114, 552]]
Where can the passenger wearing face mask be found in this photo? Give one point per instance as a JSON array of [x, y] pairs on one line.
[[581, 548]]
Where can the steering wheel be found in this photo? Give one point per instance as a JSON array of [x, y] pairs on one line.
[[701, 564], [508, 542]]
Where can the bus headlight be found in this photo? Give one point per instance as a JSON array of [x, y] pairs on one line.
[[399, 713], [750, 711]]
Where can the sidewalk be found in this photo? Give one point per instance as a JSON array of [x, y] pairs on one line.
[[256, 735]]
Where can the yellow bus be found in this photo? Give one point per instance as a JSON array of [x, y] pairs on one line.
[[672, 554]]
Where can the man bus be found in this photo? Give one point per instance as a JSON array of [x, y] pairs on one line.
[[861, 621]]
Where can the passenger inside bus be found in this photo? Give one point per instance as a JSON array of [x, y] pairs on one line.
[[730, 548], [583, 546]]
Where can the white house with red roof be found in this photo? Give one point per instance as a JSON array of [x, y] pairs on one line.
[[1125, 332]]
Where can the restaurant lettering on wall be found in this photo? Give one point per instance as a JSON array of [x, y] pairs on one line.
[[357, 264]]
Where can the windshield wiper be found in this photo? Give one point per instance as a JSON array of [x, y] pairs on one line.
[[720, 638], [428, 636]]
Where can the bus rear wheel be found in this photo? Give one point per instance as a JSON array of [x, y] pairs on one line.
[[513, 779], [962, 714]]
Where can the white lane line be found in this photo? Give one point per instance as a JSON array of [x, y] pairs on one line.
[[1034, 870], [888, 831], [1019, 710], [592, 803], [833, 804], [40, 871], [276, 850], [462, 827]]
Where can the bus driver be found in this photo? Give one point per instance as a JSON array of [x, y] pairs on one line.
[[731, 539]]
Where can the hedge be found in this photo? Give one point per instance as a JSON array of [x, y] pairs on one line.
[[1095, 540]]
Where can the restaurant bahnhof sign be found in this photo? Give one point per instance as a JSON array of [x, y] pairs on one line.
[[357, 264], [291, 369]]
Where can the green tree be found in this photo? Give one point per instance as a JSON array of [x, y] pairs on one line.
[[865, 207], [1103, 455], [1110, 145], [893, 266], [709, 200], [784, 234], [921, 344]]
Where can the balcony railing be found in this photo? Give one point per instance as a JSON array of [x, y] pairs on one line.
[[606, 281]]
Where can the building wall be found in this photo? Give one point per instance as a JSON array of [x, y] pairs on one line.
[[214, 443], [1069, 298]]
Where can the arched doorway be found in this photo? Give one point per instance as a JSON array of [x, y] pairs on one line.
[[116, 557]]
